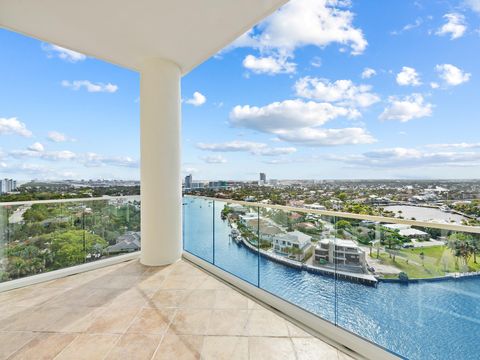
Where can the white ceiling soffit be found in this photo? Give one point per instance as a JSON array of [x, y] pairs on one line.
[[125, 32]]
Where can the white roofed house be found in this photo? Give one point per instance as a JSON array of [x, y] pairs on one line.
[[294, 244], [339, 252]]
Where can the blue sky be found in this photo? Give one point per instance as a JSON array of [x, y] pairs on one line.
[[323, 89]]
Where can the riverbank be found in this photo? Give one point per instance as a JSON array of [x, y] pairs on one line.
[[364, 279]]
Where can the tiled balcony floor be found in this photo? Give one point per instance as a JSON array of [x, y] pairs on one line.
[[129, 311]]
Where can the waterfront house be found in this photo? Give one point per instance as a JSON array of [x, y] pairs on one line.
[[407, 231], [294, 244], [339, 252]]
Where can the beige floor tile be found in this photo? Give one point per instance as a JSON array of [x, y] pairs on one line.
[[37, 319], [134, 347], [166, 298], [152, 321], [88, 347], [228, 322], [191, 321], [179, 347], [44, 347], [295, 331], [312, 349], [343, 356], [211, 283], [270, 348], [199, 299], [181, 282], [12, 341], [225, 348], [266, 323], [112, 321], [230, 299]]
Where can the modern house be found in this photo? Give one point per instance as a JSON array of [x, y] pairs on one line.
[[128, 242], [407, 231], [294, 244], [339, 252]]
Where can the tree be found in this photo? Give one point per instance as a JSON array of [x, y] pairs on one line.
[[461, 245]]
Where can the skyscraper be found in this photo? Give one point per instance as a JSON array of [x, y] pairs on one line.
[[263, 177], [188, 181]]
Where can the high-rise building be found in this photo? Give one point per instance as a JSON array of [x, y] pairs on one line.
[[7, 185], [188, 181], [263, 177]]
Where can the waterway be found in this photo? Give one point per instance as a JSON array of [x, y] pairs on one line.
[[438, 320]]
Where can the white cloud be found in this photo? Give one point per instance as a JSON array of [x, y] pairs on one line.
[[408, 76], [316, 62], [407, 158], [287, 115], [62, 53], [462, 145], [345, 92], [57, 137], [406, 109], [327, 137], [36, 147], [13, 126], [455, 26], [198, 99], [89, 86], [306, 22], [269, 65], [473, 4], [434, 85], [214, 159], [254, 148], [95, 160], [452, 75], [367, 73], [40, 153]]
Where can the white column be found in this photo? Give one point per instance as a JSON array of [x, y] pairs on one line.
[[160, 174]]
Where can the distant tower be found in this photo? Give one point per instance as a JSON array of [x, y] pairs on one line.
[[263, 178], [188, 181]]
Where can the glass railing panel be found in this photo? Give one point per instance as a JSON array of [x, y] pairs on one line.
[[198, 227], [290, 265], [37, 237], [236, 240], [426, 298]]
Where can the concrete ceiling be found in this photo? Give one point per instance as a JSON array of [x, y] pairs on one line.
[[125, 32]]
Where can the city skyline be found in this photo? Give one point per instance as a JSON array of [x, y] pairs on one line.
[[348, 97]]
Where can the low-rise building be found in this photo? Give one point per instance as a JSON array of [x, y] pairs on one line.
[[128, 242], [339, 252], [407, 231], [294, 244]]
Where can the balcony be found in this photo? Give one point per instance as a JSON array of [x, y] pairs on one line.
[[133, 311], [225, 293]]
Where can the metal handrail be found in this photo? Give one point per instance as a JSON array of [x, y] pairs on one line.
[[375, 218], [104, 198]]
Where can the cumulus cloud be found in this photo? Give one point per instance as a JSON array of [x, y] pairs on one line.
[[408, 76], [407, 108], [408, 157], [473, 4], [269, 65], [13, 126], [452, 75], [367, 73], [327, 137], [62, 53], [344, 92], [287, 115], [57, 137], [297, 24], [254, 148], [36, 147], [90, 86], [455, 26], [197, 99], [214, 159]]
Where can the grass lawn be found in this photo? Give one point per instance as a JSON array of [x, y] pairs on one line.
[[437, 261]]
